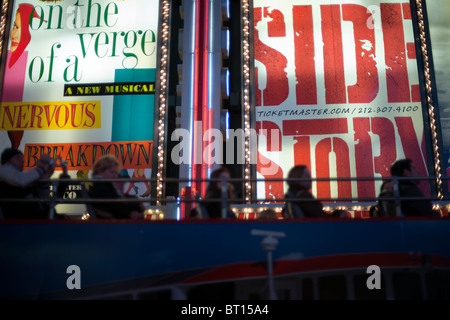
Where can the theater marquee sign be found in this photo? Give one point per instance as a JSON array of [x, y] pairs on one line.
[[79, 81], [337, 85]]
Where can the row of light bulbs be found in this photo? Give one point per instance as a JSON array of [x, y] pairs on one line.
[[246, 95], [162, 98], [429, 91], [158, 214], [3, 22]]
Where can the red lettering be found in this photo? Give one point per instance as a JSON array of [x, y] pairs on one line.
[[373, 155], [411, 53], [340, 148], [73, 111], [257, 91], [277, 87], [9, 116], [81, 111], [323, 150], [374, 139], [366, 164], [58, 112], [275, 27], [90, 115], [314, 126], [21, 115], [364, 156], [366, 88], [302, 151], [269, 169], [333, 55], [411, 148], [36, 112], [384, 128], [47, 114], [274, 90], [394, 49], [305, 71], [271, 131]]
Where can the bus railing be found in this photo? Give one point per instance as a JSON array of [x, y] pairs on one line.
[[171, 207]]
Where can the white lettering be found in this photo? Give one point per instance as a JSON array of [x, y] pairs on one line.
[[74, 281], [374, 281]]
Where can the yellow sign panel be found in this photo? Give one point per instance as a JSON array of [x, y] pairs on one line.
[[50, 115]]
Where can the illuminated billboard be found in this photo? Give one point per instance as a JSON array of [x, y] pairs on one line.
[[79, 80], [337, 88]]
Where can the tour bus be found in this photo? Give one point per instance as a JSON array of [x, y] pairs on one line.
[[290, 259]]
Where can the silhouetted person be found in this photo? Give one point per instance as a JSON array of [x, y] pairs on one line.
[[18, 184], [386, 206], [108, 167], [419, 206], [211, 207], [304, 204]]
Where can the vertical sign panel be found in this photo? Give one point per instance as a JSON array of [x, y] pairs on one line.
[[337, 89], [79, 82]]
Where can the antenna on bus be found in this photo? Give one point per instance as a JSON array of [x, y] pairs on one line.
[[269, 244]]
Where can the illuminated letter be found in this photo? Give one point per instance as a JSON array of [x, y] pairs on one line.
[[212, 153], [374, 281], [179, 153], [74, 281]]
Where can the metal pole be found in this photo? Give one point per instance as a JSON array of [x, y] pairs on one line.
[[269, 244], [272, 292], [397, 197], [224, 197], [53, 195]]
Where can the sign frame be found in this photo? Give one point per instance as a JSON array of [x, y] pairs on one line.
[[428, 96], [159, 87]]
